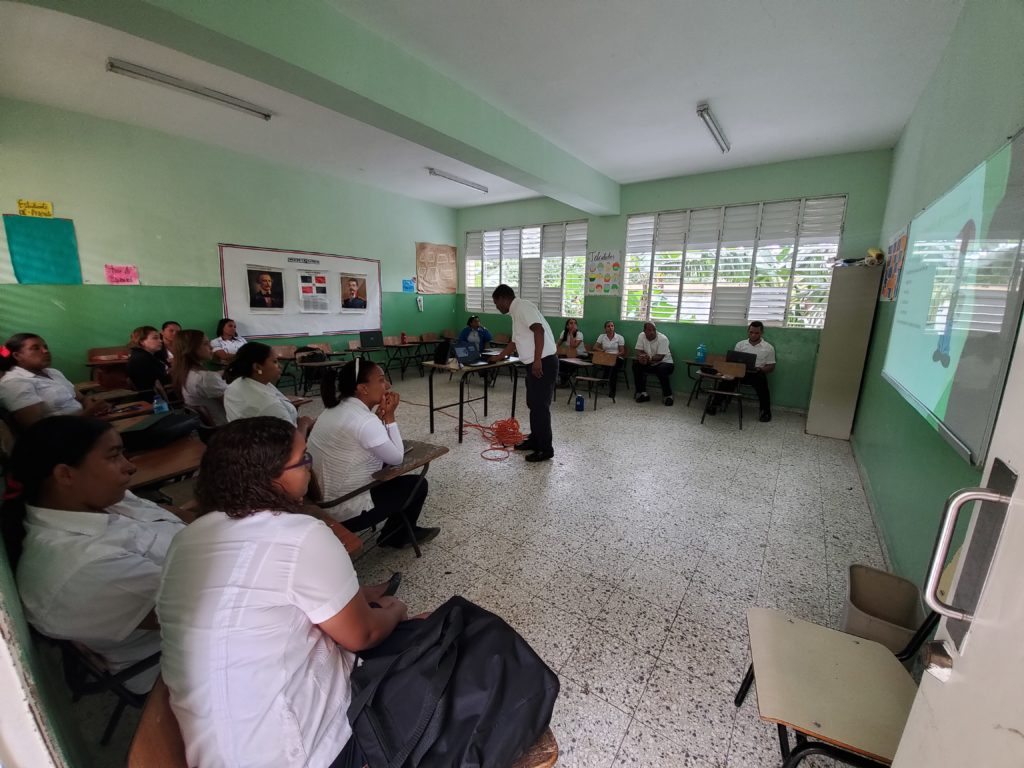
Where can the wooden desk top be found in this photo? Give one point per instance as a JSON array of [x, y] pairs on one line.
[[453, 367], [174, 459], [128, 422], [107, 395], [298, 400], [403, 345], [87, 386], [835, 687], [98, 362], [421, 453], [321, 363], [127, 411]]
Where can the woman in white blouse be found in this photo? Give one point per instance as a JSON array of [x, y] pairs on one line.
[[261, 613], [200, 388], [612, 343], [572, 338], [350, 442], [251, 388], [226, 342], [31, 390]]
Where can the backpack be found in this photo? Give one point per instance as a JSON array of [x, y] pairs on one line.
[[160, 429], [459, 688]]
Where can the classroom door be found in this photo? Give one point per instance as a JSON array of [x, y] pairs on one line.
[[976, 718]]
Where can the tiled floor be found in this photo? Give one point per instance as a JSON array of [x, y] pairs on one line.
[[629, 561]]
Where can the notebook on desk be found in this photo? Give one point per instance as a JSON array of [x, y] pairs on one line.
[[369, 339]]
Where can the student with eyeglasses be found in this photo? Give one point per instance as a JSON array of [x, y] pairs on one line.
[[261, 612], [350, 442]]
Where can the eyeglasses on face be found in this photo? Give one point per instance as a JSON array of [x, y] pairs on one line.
[[306, 461]]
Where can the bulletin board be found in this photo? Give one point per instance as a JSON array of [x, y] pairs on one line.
[[277, 292]]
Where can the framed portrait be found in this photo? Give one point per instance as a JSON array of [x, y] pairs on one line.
[[353, 293], [266, 288]]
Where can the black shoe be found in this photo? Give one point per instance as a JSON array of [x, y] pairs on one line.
[[766, 416], [423, 535], [526, 445], [668, 400], [541, 455], [393, 582], [642, 397]]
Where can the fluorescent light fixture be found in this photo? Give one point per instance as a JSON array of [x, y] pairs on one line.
[[138, 72], [457, 179], [704, 113]]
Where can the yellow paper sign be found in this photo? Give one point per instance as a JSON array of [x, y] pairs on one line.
[[40, 208]]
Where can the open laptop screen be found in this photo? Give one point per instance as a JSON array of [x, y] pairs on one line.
[[371, 339], [749, 360]]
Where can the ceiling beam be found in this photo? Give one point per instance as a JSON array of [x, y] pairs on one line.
[[310, 49]]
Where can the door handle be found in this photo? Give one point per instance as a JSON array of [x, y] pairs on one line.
[[950, 513]]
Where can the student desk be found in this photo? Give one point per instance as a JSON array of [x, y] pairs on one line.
[[177, 459], [403, 354], [132, 413], [113, 395], [419, 457], [512, 364], [306, 369]]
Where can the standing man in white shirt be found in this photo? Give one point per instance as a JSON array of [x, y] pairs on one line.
[[653, 356], [532, 338], [754, 344]]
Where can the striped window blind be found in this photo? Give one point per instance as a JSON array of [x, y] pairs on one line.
[[544, 264], [732, 264]]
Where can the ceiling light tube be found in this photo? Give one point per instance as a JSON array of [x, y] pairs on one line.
[[704, 113], [457, 179], [138, 72]]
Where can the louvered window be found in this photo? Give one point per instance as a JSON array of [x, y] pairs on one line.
[[733, 264], [545, 264]]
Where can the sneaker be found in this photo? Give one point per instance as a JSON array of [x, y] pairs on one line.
[[668, 400], [766, 416], [642, 397]]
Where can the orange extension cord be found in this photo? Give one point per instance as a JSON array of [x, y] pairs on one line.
[[502, 436]]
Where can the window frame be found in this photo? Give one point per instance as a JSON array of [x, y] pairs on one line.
[[720, 283]]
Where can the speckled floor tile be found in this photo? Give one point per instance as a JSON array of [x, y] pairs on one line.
[[640, 622], [615, 670], [589, 730], [646, 747]]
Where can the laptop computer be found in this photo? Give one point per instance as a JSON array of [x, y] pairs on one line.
[[369, 339], [748, 359], [468, 354]]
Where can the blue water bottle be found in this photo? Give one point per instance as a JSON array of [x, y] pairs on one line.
[[702, 353], [579, 403], [160, 405]]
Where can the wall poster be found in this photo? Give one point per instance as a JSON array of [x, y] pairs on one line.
[[604, 273], [436, 268]]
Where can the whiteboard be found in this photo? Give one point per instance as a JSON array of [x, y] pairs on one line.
[[273, 292], [959, 303]]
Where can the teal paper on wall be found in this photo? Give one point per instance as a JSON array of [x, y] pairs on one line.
[[43, 251]]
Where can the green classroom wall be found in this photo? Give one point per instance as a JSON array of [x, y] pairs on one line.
[[142, 197], [970, 107], [863, 176]]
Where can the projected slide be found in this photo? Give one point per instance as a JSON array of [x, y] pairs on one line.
[[959, 303]]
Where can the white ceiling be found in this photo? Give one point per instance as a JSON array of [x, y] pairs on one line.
[[613, 82]]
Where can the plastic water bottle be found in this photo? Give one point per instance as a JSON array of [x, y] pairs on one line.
[[160, 405], [580, 404], [702, 353]]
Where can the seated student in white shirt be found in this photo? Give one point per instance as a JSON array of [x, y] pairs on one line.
[[31, 390], [87, 551], [571, 338], [350, 442], [653, 356], [612, 343], [261, 612], [764, 364], [251, 392], [226, 342], [200, 388]]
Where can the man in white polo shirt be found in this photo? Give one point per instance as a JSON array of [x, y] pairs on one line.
[[535, 345], [755, 345], [653, 356]]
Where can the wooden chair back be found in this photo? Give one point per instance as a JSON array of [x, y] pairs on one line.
[[600, 357], [323, 346], [501, 338], [354, 344], [412, 339], [285, 351], [448, 333], [391, 340], [112, 355], [567, 350], [429, 337], [714, 360]]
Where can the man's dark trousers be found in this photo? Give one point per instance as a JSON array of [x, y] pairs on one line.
[[662, 370], [539, 393]]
